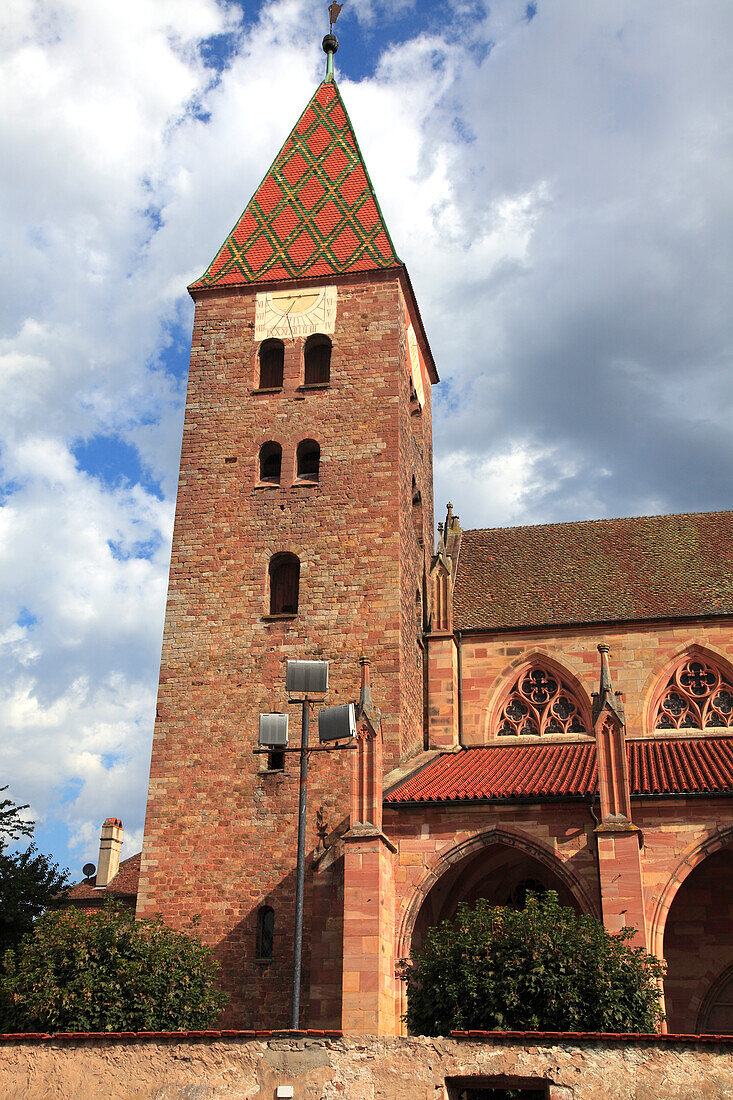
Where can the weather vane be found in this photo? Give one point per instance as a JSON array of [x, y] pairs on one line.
[[334, 11]]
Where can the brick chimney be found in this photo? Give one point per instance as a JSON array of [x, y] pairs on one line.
[[110, 846]]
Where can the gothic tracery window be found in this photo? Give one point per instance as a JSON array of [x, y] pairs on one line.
[[697, 696], [540, 703]]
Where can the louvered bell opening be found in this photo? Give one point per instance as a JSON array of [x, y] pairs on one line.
[[317, 361], [272, 358]]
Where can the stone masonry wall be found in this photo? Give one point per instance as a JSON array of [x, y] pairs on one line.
[[640, 654], [212, 1068], [438, 848], [220, 832]]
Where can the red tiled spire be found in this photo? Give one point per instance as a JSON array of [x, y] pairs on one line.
[[315, 212]]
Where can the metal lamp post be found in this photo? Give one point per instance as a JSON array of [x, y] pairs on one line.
[[303, 679]]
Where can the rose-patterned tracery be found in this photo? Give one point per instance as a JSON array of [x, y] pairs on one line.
[[697, 696], [540, 703]]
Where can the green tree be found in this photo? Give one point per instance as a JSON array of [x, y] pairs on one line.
[[86, 970], [542, 968], [28, 880], [12, 825], [28, 883]]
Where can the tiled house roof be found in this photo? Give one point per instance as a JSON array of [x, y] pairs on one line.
[[555, 770], [609, 570], [123, 886], [314, 214]]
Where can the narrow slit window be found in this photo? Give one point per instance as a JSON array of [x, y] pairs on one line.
[[417, 511], [284, 584], [272, 358], [317, 360], [265, 932], [271, 457], [308, 460]]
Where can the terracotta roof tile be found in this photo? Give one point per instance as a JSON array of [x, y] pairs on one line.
[[556, 770], [123, 885], [609, 570], [314, 214]]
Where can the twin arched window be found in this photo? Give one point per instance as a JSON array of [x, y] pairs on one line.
[[540, 703], [284, 577], [307, 462], [697, 696], [317, 366]]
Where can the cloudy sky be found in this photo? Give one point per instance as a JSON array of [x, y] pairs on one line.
[[557, 177]]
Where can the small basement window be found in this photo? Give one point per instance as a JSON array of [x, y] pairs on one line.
[[271, 457], [272, 360], [317, 360], [284, 584], [308, 460], [498, 1088]]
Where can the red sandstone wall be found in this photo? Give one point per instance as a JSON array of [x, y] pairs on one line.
[[416, 549], [448, 853], [220, 836], [640, 655]]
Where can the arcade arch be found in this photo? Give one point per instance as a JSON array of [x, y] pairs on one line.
[[499, 865], [698, 948]]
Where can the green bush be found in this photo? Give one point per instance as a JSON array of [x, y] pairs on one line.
[[542, 968], [29, 881], [86, 970]]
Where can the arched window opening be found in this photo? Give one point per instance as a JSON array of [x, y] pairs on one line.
[[308, 459], [265, 932], [697, 696], [540, 703], [284, 584], [272, 359], [317, 360], [271, 457]]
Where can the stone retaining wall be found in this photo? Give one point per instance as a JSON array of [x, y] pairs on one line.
[[218, 1068]]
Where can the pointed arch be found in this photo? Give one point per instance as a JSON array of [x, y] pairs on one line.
[[509, 837], [715, 841], [693, 690], [560, 704], [718, 997]]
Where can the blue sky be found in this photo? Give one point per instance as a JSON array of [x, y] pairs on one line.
[[556, 176]]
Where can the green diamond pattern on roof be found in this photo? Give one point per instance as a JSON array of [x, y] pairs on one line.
[[315, 213]]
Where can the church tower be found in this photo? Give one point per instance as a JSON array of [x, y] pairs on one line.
[[303, 529]]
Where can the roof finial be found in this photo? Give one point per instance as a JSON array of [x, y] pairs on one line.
[[606, 696], [331, 42]]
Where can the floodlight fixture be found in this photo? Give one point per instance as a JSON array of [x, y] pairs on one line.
[[88, 870], [337, 723], [273, 731], [306, 677]]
